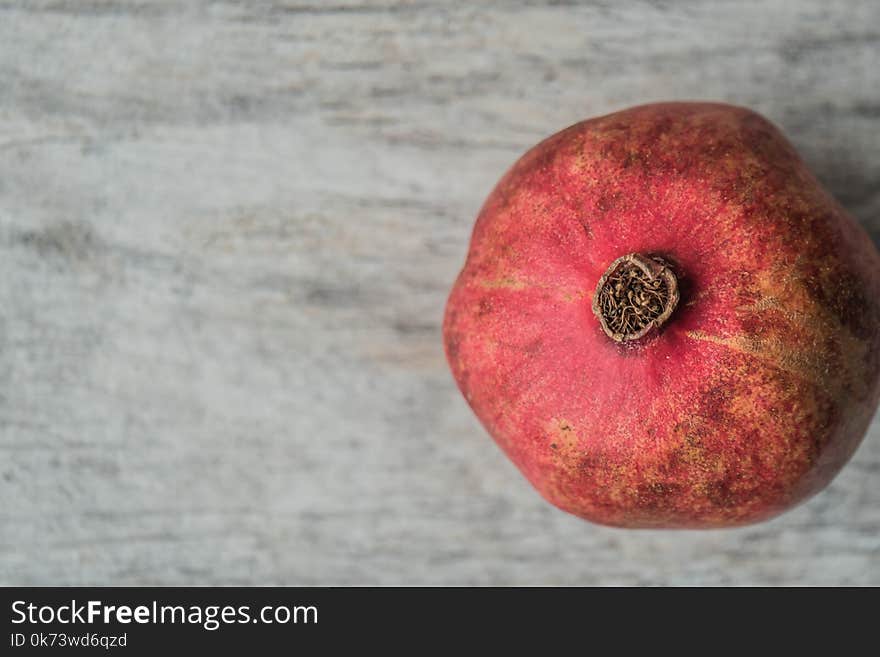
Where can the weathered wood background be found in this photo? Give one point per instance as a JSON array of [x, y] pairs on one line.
[[227, 230]]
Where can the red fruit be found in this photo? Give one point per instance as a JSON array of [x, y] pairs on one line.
[[726, 406]]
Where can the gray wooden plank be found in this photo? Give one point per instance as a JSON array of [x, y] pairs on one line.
[[227, 232]]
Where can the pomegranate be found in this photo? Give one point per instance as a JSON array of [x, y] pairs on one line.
[[664, 320]]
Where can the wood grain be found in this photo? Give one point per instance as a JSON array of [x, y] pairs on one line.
[[227, 230]]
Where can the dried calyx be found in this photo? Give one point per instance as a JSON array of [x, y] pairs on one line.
[[636, 296]]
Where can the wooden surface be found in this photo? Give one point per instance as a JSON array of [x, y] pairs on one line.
[[227, 230]]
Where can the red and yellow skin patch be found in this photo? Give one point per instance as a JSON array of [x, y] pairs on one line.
[[758, 389]]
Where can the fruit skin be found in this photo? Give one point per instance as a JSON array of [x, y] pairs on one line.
[[763, 382]]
